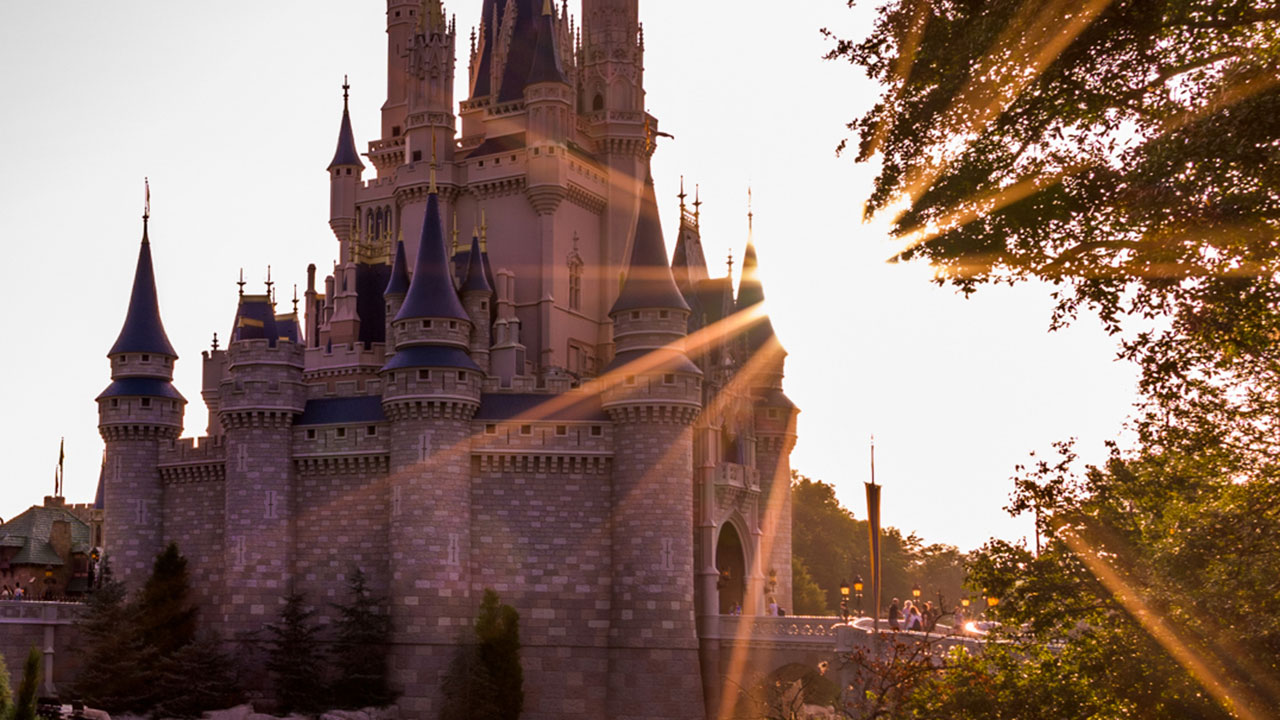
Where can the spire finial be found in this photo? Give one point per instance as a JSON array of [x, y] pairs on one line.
[[240, 282], [750, 215], [697, 203], [682, 195], [215, 342], [730, 264], [346, 91], [484, 231], [146, 205], [295, 298], [269, 283]]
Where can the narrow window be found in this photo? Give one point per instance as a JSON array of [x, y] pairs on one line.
[[598, 103], [341, 433], [562, 430], [417, 156], [629, 380], [426, 324], [462, 376], [146, 402], [115, 402], [597, 431], [146, 358], [424, 374], [311, 434], [490, 429], [453, 324], [395, 131], [371, 431], [575, 283], [669, 379], [635, 314], [664, 314], [526, 429]]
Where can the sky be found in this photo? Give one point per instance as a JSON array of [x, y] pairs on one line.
[[232, 110]]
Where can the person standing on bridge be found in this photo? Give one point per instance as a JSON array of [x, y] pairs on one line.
[[895, 614]]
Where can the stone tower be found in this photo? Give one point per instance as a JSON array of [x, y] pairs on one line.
[[653, 396], [432, 392], [138, 412]]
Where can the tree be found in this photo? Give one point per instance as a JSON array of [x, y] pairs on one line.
[[486, 680], [166, 616], [197, 678], [294, 658], [1111, 148], [808, 598], [112, 675], [363, 631], [833, 547], [24, 706], [6, 694]]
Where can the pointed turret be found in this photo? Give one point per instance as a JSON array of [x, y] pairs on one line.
[[649, 283], [546, 65], [751, 293], [346, 155], [143, 332], [475, 280], [399, 284], [431, 293]]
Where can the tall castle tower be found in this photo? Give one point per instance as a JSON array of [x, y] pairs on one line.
[[546, 406]]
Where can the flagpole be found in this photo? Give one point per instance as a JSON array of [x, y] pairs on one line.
[[873, 545]]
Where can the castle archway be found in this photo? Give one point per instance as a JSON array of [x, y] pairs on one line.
[[731, 561]]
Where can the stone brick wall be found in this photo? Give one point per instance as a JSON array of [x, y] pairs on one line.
[[542, 541], [342, 524], [194, 517]]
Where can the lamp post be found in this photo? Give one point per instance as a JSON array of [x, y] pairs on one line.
[[992, 602], [857, 590], [915, 592], [844, 601]]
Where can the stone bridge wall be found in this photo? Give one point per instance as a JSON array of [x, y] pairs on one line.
[[47, 626]]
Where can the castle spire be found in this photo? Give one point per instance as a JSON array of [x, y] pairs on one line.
[[649, 282], [346, 155], [431, 293], [143, 331], [546, 67], [399, 284], [475, 280]]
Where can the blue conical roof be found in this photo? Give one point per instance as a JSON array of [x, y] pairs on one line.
[[399, 284], [143, 331], [475, 280], [431, 293], [346, 154], [750, 293], [546, 58], [649, 282]]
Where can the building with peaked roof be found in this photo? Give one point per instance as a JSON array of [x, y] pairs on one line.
[[547, 407], [48, 549]]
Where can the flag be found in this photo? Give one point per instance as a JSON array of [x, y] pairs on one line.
[[873, 530], [57, 479]]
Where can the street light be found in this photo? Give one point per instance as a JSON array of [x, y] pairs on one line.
[[964, 602], [844, 601], [857, 589], [915, 591], [992, 602]]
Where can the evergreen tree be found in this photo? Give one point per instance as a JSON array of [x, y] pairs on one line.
[[806, 596], [498, 650], [294, 658], [197, 678], [486, 681], [166, 615], [360, 652], [24, 708], [6, 695], [111, 654]]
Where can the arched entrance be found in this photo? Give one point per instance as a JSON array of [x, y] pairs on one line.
[[732, 564]]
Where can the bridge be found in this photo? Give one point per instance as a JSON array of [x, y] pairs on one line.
[[25, 624]]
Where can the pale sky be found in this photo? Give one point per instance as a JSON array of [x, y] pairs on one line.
[[232, 109]]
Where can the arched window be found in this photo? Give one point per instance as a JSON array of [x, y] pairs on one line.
[[598, 104]]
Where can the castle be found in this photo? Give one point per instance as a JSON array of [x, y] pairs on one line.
[[545, 404]]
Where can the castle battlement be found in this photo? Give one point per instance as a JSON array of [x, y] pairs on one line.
[[194, 450]]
